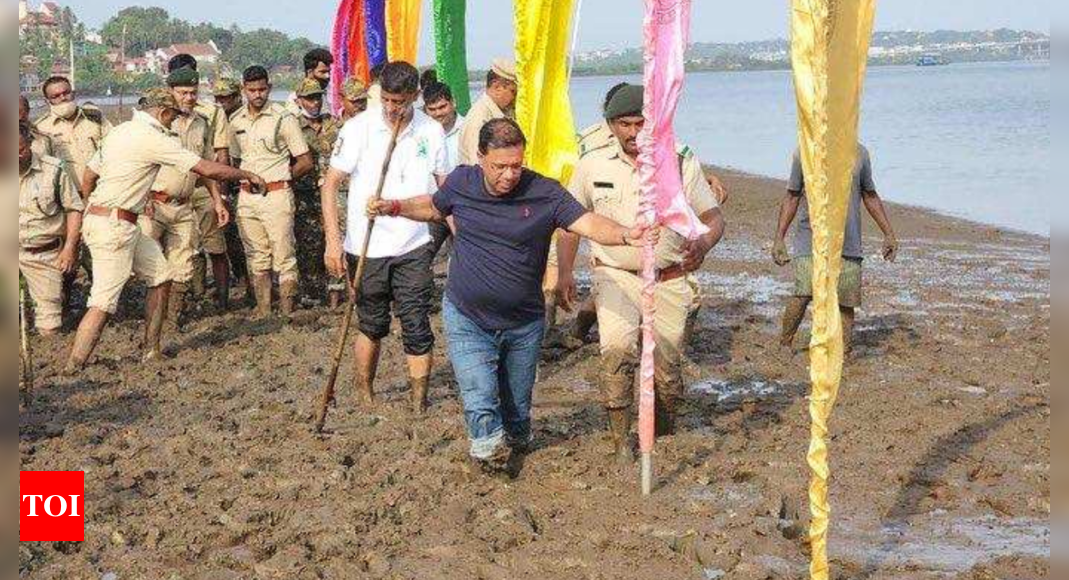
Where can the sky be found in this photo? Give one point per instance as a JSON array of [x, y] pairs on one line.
[[603, 23]]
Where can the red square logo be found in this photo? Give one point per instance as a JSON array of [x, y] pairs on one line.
[[51, 506]]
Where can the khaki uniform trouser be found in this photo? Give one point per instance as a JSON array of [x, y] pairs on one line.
[[120, 250], [45, 283], [618, 295], [212, 237], [265, 223], [175, 228]]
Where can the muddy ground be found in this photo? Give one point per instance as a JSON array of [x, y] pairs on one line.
[[205, 466]]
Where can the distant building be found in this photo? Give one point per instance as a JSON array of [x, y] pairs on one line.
[[205, 53], [43, 19]]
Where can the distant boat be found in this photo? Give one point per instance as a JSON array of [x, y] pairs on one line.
[[932, 60]]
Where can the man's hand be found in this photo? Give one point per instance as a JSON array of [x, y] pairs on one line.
[[222, 214], [890, 248], [567, 294], [378, 207], [640, 233], [780, 255], [257, 183], [334, 259], [66, 260], [150, 209], [694, 252]]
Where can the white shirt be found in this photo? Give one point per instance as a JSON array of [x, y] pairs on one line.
[[419, 156], [452, 143]]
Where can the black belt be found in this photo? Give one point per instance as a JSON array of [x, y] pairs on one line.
[[50, 247]]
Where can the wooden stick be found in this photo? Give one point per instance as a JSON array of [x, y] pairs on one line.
[[26, 351], [332, 379]]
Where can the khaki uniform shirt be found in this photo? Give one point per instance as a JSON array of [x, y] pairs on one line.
[[606, 182], [75, 140], [130, 159], [42, 144], [595, 137], [483, 110], [321, 144], [46, 194], [265, 143], [195, 136], [218, 124]]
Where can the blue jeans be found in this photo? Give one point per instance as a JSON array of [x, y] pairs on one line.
[[496, 373]]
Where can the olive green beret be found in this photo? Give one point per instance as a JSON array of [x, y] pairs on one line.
[[183, 77], [625, 103]]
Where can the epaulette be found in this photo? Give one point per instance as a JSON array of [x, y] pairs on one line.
[[50, 160], [93, 113]]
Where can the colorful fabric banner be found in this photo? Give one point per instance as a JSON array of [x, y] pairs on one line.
[[666, 27], [375, 12], [450, 50], [402, 29], [543, 108], [829, 49], [339, 47]]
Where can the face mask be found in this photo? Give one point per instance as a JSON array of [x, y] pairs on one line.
[[64, 110], [307, 115], [323, 83]]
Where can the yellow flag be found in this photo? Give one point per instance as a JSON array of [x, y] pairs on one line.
[[543, 109], [829, 50], [402, 30]]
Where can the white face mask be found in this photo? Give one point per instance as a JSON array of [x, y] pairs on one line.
[[312, 116], [64, 110]]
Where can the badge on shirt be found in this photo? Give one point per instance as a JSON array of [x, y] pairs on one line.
[[422, 148]]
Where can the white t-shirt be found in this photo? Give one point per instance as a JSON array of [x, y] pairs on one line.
[[419, 155], [452, 143]]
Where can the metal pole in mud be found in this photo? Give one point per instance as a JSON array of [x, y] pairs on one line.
[[358, 277]]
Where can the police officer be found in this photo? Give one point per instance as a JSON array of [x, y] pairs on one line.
[[50, 223], [320, 131], [227, 94], [211, 238], [76, 131], [118, 180], [606, 180], [267, 140], [498, 101], [170, 218]]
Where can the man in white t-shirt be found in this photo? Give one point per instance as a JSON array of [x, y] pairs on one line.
[[398, 268], [438, 103]]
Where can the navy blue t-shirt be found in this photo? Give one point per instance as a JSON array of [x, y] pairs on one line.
[[501, 245]]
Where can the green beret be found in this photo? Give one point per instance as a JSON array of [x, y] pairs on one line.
[[158, 98], [625, 103], [183, 77]]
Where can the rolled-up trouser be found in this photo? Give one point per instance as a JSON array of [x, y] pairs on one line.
[[175, 229], [212, 237], [407, 282], [495, 371], [45, 283], [618, 294], [266, 226], [120, 249]]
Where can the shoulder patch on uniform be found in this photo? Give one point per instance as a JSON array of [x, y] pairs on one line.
[[92, 113], [584, 150], [685, 151], [50, 160]]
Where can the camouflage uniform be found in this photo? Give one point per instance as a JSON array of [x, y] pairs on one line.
[[308, 224]]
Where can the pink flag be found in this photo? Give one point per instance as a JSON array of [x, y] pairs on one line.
[[665, 31]]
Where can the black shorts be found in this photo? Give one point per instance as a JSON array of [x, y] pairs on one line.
[[405, 281]]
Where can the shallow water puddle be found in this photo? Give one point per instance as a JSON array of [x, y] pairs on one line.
[[941, 542], [724, 390]]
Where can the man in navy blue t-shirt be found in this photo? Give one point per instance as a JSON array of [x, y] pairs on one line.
[[503, 218]]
